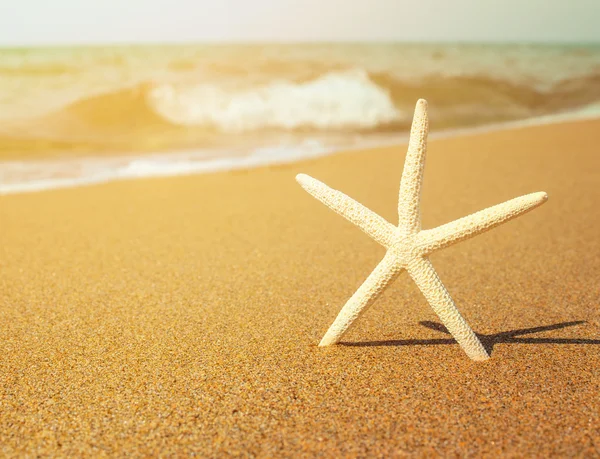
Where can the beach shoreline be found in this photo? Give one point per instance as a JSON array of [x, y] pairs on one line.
[[34, 175], [181, 315]]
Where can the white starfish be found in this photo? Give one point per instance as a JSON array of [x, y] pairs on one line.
[[408, 246]]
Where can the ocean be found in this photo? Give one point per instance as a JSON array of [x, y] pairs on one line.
[[80, 115]]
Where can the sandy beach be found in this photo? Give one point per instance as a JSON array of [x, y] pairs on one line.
[[182, 315]]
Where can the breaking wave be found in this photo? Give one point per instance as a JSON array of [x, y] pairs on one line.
[[351, 100], [336, 100]]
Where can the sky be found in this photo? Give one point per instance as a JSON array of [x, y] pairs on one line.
[[47, 22]]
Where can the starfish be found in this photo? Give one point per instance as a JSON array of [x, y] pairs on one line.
[[408, 246]]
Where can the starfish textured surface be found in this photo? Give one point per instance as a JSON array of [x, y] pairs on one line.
[[408, 246]]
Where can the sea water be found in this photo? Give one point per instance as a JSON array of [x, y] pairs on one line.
[[74, 116]]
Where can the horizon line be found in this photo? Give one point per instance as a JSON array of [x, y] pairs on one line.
[[254, 42]]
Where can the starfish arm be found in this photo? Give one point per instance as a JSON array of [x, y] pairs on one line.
[[412, 176], [424, 275], [474, 224], [385, 272], [367, 220]]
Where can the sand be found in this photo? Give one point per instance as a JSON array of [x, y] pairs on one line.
[[182, 315]]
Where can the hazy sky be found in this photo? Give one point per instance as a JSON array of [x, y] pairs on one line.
[[25, 22]]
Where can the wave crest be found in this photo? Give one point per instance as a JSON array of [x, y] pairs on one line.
[[349, 101], [165, 116], [336, 100]]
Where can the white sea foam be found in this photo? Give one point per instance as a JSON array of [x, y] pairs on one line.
[[336, 100], [31, 176]]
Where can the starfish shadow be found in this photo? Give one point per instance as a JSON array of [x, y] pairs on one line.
[[488, 341]]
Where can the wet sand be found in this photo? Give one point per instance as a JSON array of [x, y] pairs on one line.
[[180, 315]]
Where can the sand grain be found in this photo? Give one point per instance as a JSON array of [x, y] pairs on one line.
[[183, 315]]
